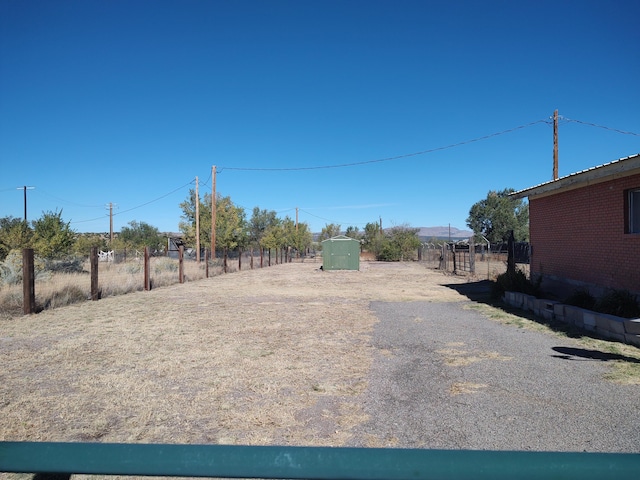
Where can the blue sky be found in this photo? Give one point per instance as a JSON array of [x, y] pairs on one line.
[[128, 101]]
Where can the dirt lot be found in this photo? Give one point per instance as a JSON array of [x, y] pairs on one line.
[[246, 358]]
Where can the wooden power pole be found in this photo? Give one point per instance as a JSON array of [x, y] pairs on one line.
[[197, 223], [555, 145], [213, 212]]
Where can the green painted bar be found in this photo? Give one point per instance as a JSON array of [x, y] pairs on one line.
[[311, 462]]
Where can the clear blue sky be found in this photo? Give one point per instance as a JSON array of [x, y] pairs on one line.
[[128, 101]]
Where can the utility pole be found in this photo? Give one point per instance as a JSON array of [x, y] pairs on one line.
[[555, 145], [296, 219], [197, 223], [25, 188], [213, 212], [110, 223]]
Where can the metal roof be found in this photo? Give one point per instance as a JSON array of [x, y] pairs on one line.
[[616, 168]]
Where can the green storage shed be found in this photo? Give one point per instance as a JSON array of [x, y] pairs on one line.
[[341, 253]]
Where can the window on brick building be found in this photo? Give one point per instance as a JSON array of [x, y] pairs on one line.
[[634, 211]]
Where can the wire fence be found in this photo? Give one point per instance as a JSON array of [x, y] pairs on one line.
[[60, 282]]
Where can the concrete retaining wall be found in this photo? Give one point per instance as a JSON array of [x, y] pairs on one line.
[[609, 326]]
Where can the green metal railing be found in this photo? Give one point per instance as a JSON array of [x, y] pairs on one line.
[[310, 462]]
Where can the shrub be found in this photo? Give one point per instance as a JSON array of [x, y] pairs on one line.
[[581, 298], [516, 281], [11, 268], [165, 265], [67, 265], [620, 303], [68, 295]]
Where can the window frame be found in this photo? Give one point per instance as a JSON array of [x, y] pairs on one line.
[[632, 202]]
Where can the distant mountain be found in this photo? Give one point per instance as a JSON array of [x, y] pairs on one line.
[[425, 233]]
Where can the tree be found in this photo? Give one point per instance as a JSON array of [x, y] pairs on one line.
[[231, 226], [498, 214], [330, 230], [272, 238], [373, 238], [85, 242], [353, 232], [259, 222], [139, 235], [297, 238], [188, 223], [52, 237], [401, 243], [14, 234]]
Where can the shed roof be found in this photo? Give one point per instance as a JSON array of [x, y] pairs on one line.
[[340, 237], [622, 167]]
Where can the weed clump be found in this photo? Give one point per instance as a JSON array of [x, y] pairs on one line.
[[581, 298], [515, 281], [620, 303]]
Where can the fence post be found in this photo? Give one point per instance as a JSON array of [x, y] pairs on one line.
[[147, 276], [28, 282], [472, 255], [511, 258], [93, 260], [206, 263], [453, 250], [181, 264], [239, 259]]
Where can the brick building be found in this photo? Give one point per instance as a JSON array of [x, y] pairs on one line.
[[584, 229]]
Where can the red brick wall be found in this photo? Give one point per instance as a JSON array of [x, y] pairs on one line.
[[579, 235]]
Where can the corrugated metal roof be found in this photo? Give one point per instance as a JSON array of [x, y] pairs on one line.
[[615, 167]]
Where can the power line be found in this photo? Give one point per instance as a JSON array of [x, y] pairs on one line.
[[387, 159], [156, 199], [138, 206], [601, 126]]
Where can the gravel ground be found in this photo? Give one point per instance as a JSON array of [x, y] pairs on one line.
[[445, 376]]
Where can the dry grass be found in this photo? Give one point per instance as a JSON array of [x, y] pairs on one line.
[[62, 289], [278, 355]]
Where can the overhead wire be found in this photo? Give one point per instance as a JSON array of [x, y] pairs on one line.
[[386, 159], [141, 205], [569, 120]]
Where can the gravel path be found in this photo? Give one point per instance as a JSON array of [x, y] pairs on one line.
[[445, 376]]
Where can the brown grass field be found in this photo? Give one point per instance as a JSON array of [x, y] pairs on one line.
[[270, 356]]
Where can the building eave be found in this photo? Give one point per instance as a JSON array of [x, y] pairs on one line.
[[622, 167]]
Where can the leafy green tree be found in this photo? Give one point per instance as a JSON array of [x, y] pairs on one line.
[[297, 238], [187, 223], [231, 226], [139, 235], [303, 238], [272, 238], [330, 230], [353, 232], [14, 234], [404, 241], [495, 216], [52, 237], [259, 222], [373, 238], [85, 242]]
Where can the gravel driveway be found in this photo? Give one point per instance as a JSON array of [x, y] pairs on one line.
[[445, 376]]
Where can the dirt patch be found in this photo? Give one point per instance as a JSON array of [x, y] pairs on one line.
[[278, 355]]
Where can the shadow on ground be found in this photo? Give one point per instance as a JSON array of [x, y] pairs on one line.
[[569, 353], [482, 292]]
